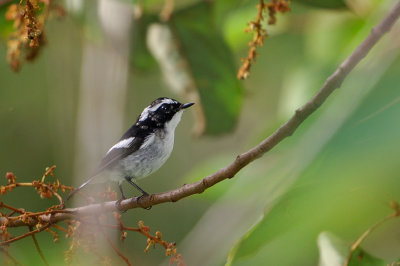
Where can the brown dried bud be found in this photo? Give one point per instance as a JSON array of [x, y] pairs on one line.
[[12, 12], [46, 194], [123, 236], [10, 177]]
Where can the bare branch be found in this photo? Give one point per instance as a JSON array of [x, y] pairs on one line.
[[119, 253], [30, 233], [333, 82]]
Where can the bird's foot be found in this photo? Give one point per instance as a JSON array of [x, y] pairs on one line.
[[138, 199], [118, 204]]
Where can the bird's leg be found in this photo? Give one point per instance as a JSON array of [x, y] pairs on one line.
[[122, 191], [118, 203], [144, 193], [129, 179]]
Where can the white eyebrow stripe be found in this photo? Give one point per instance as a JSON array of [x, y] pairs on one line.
[[125, 143], [149, 109]]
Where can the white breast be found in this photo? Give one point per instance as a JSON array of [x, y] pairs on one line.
[[153, 153]]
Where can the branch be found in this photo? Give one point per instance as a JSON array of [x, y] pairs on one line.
[[119, 253], [333, 82], [30, 233]]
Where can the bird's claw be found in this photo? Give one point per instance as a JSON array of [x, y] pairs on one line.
[[118, 205], [138, 198]]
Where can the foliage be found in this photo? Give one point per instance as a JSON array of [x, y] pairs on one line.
[[333, 175]]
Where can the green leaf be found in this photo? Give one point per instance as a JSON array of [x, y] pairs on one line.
[[141, 59], [211, 65], [325, 3], [334, 251], [362, 258], [235, 248]]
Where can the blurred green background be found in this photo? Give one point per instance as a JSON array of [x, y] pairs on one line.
[[337, 173]]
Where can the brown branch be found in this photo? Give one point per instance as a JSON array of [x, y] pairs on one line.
[[40, 229], [119, 253], [59, 228], [140, 230], [333, 82], [39, 250], [259, 32], [14, 210]]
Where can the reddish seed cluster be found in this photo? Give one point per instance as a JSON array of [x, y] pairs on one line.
[[83, 234], [28, 35], [259, 32]]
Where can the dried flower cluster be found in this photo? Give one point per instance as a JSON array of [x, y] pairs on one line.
[[259, 32], [29, 17], [84, 232]]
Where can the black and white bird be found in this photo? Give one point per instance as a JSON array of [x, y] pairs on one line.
[[144, 148]]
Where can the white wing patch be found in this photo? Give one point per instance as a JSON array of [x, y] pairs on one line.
[[149, 109], [125, 143]]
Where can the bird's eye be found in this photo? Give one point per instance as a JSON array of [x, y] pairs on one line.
[[164, 108]]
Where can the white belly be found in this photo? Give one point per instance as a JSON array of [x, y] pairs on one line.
[[153, 154]]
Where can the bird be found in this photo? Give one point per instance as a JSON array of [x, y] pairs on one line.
[[143, 148]]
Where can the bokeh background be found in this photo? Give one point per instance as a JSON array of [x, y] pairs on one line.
[[99, 69]]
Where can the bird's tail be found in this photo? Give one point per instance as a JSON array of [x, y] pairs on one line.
[[80, 187]]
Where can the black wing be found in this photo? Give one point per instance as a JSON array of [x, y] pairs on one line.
[[116, 154], [111, 159], [139, 131]]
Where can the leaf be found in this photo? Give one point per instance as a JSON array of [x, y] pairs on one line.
[[232, 253], [334, 252], [205, 63], [335, 4], [141, 59], [362, 258], [212, 67]]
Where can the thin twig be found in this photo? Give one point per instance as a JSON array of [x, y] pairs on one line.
[[49, 171], [367, 233], [38, 247], [119, 253], [133, 229], [40, 229], [59, 228], [15, 210]]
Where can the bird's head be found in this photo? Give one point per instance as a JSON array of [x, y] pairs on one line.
[[163, 113]]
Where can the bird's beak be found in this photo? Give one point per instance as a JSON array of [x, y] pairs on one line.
[[186, 105]]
